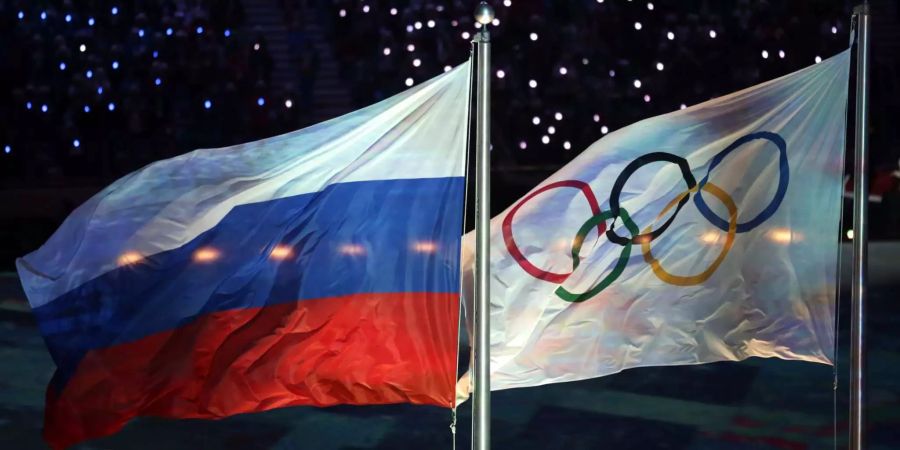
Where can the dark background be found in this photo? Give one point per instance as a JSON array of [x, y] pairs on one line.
[[138, 92]]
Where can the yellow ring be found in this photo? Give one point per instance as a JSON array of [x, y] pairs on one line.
[[691, 280]]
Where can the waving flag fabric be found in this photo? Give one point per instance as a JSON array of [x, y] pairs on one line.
[[707, 234], [313, 268]]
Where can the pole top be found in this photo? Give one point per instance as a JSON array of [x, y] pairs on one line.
[[484, 13], [862, 9]]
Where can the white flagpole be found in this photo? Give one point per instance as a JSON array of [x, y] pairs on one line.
[[860, 235], [481, 403]]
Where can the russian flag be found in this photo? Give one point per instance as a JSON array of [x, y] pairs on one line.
[[319, 267]]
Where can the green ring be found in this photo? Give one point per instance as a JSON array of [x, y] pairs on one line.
[[561, 292]]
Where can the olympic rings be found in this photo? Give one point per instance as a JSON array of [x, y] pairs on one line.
[[513, 249], [677, 280], [620, 183], [576, 249], [783, 178], [598, 219]]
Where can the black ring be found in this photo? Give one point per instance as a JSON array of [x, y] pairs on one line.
[[620, 183]]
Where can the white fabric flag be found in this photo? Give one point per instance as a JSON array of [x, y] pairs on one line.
[[723, 245]]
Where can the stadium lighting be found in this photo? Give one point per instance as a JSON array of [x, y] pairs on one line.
[[366, 9], [597, 118], [523, 145], [465, 35], [76, 143], [417, 25], [501, 74], [650, 6], [567, 145], [91, 21], [545, 139], [638, 26], [28, 105], [199, 30], [227, 32], [558, 116], [21, 15], [288, 104], [114, 10], [646, 98], [410, 48], [637, 83], [89, 74], [207, 104], [765, 54], [387, 51], [536, 120], [818, 59], [833, 30], [111, 106], [141, 32], [712, 34], [342, 13], [612, 73], [7, 149], [261, 101], [87, 109], [43, 15], [670, 35], [683, 106], [44, 108], [393, 11], [533, 36], [551, 130], [115, 65], [408, 82], [417, 62], [157, 81], [256, 47], [660, 66], [781, 54], [82, 48], [169, 31], [62, 66], [431, 24], [68, 18], [604, 129], [563, 71], [532, 84]]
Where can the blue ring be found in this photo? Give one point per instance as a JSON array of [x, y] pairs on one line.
[[783, 178]]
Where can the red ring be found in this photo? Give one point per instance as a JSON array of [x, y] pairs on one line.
[[511, 243]]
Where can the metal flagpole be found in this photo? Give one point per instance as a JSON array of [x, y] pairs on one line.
[[481, 404], [860, 235]]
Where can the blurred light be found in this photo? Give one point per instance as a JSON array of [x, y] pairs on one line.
[[670, 35], [604, 129], [849, 232], [114, 10], [507, 3], [62, 66], [387, 51], [545, 139], [567, 145], [256, 46], [288, 103], [90, 21], [342, 13], [477, 25], [157, 81], [155, 54], [495, 22], [281, 252], [782, 235], [21, 15], [417, 62], [454, 22], [76, 143], [82, 48], [227, 32], [465, 35], [551, 130], [409, 28], [563, 71], [43, 15], [168, 31], [431, 24], [206, 254], [501, 74], [99, 90], [599, 1], [44, 108], [141, 32], [558, 116], [650, 6], [596, 117], [207, 104], [536, 120], [417, 25], [408, 82], [710, 237], [447, 68], [261, 101], [522, 145], [366, 8], [410, 48], [612, 73], [637, 83], [27, 105], [129, 258], [833, 31], [818, 59], [425, 247], [393, 11], [584, 61], [533, 36], [68, 18], [683, 106], [638, 26], [7, 149], [712, 34], [89, 74], [765, 54], [199, 30], [781, 54], [352, 249], [115, 65], [660, 66], [646, 98], [111, 106], [87, 109], [532, 84]]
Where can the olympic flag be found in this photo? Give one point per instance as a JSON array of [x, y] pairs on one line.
[[319, 267], [707, 234]]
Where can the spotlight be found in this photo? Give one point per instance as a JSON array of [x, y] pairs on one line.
[[545, 139], [408, 82], [670, 35], [638, 26], [199, 30], [536, 120], [288, 104], [604, 129], [522, 145], [111, 106], [82, 48], [387, 51], [501, 74], [637, 83], [76, 143], [567, 145], [532, 84], [417, 62], [712, 34], [558, 116], [660, 66], [207, 104], [261, 101], [818, 59], [533, 36], [765, 54]]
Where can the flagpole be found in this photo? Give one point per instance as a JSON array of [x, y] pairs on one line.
[[481, 403], [860, 235]]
